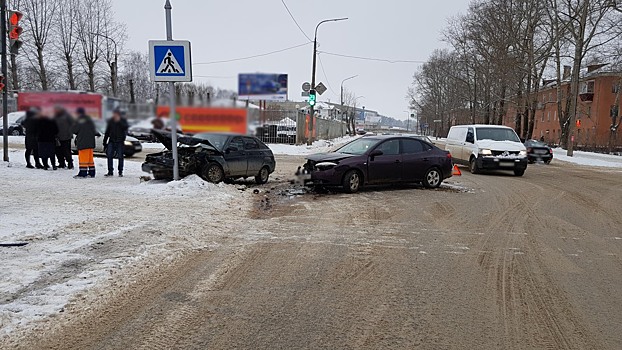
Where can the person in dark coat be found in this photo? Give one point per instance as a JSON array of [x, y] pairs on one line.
[[32, 147], [47, 131], [85, 132], [114, 141], [64, 121]]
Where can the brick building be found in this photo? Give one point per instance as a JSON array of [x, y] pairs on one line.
[[598, 93]]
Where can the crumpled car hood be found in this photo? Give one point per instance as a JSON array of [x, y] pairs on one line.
[[328, 157], [164, 137]]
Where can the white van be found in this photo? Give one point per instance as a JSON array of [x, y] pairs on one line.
[[484, 147]]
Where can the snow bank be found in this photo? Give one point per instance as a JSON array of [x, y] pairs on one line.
[[588, 158], [80, 232], [319, 146]]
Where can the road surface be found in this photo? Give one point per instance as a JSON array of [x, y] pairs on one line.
[[490, 262]]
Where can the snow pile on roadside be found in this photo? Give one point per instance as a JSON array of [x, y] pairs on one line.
[[80, 232], [319, 146], [589, 158]]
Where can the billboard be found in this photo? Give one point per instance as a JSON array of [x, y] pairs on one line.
[[46, 101], [259, 86], [194, 120], [372, 120]]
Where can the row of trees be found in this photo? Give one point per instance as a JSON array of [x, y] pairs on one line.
[[500, 52], [78, 45]]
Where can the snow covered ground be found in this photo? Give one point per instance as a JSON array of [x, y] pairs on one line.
[[81, 232], [320, 146], [588, 158]]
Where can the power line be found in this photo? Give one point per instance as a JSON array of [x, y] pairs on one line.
[[371, 58], [253, 56], [325, 75], [294, 19]]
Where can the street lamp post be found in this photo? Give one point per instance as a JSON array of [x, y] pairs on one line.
[[312, 108], [114, 66], [343, 81]]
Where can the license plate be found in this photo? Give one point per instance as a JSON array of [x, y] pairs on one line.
[[138, 148], [506, 164], [541, 151]]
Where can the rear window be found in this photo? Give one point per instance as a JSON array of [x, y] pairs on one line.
[[497, 134]]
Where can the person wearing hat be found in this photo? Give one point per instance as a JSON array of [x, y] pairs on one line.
[[85, 132], [114, 141], [30, 124]]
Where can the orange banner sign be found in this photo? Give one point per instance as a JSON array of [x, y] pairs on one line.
[[194, 120]]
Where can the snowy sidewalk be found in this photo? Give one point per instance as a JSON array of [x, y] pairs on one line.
[[589, 158], [321, 146], [80, 232]]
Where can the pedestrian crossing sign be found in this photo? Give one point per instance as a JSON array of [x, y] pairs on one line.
[[170, 61]]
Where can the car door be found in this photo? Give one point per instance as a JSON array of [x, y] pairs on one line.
[[468, 145], [386, 168], [254, 155], [415, 159], [236, 158]]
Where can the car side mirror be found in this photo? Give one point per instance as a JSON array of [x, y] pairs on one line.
[[375, 153]]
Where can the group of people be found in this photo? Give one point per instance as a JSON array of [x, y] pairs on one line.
[[48, 140]]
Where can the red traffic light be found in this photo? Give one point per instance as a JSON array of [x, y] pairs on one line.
[[15, 17], [15, 33], [2, 86]]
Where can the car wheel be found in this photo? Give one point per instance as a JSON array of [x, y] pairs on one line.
[[433, 178], [263, 176], [352, 181], [15, 133], [519, 172], [548, 161], [473, 166], [213, 172]]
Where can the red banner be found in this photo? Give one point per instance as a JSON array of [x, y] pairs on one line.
[[194, 120], [46, 101]]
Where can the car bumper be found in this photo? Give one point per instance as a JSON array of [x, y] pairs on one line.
[[539, 157], [493, 163], [329, 177]]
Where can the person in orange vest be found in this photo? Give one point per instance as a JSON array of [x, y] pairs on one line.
[[85, 132]]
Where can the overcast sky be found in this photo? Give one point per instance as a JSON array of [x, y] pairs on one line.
[[228, 29]]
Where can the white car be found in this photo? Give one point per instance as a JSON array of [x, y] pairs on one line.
[[487, 147]]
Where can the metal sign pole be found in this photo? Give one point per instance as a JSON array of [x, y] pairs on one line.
[[5, 93], [171, 85]]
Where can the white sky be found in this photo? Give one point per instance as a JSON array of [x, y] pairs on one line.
[[226, 29]]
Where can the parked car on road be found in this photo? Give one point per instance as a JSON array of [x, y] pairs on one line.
[[375, 160], [487, 147], [132, 145], [15, 124], [214, 157], [538, 152]]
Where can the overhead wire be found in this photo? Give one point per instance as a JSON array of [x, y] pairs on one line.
[[253, 56], [295, 21], [372, 58], [326, 75]]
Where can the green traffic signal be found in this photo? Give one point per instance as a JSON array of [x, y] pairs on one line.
[[312, 98]]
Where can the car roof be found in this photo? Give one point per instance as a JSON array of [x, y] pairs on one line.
[[482, 126]]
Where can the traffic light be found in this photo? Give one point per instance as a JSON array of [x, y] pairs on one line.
[[312, 98], [578, 123], [15, 31], [2, 86]]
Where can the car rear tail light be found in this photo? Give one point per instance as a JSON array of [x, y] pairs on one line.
[[550, 150], [448, 155]]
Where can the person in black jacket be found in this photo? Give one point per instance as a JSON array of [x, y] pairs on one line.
[[114, 141], [32, 147], [85, 132], [47, 131], [63, 148]]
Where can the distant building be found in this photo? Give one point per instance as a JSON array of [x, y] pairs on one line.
[[599, 100]]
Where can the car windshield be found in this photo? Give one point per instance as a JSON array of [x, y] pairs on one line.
[[358, 147], [497, 134], [534, 143], [216, 140]]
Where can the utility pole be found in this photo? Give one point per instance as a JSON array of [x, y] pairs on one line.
[[312, 107], [171, 86], [5, 93], [343, 81]]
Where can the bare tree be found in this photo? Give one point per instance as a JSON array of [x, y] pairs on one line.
[[40, 17], [66, 37], [91, 25]]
